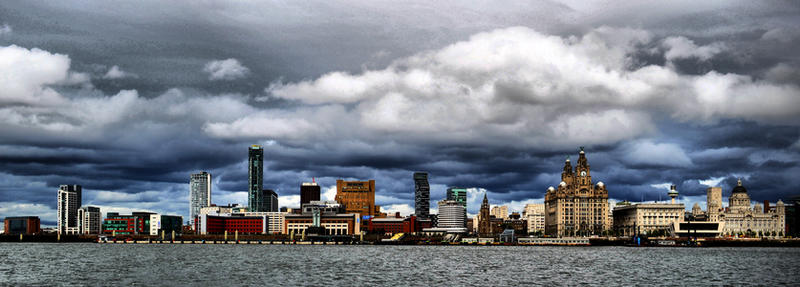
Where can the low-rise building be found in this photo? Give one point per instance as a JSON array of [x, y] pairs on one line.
[[22, 225], [650, 218], [275, 220], [219, 224], [334, 224]]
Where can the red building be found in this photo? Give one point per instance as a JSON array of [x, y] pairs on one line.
[[213, 224], [22, 225], [397, 224]]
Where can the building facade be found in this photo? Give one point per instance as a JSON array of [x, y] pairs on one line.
[[220, 224], [422, 195], [458, 194], [500, 211], [22, 225], [90, 220], [334, 224], [534, 216], [164, 224], [199, 193], [484, 219], [576, 207], [357, 197], [309, 191], [275, 220], [744, 219], [270, 198], [69, 200], [255, 171], [451, 214], [647, 218]]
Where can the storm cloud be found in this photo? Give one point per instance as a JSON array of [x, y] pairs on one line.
[[490, 97]]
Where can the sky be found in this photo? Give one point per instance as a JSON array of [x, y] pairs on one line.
[[128, 99]]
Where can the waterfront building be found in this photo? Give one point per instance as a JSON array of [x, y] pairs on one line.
[[500, 211], [422, 195], [199, 193], [391, 225], [166, 224], [89, 220], [647, 218], [357, 197], [114, 223], [215, 209], [576, 207], [255, 170], [22, 225], [309, 191], [275, 220], [533, 208], [484, 224], [219, 224], [742, 219], [451, 214], [534, 217], [270, 200], [69, 200], [333, 224]]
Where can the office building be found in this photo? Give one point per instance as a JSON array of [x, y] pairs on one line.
[[199, 193], [500, 212], [270, 201], [576, 207], [69, 200], [422, 195], [164, 224], [451, 214], [255, 191], [22, 225], [220, 224], [309, 191], [458, 194], [392, 225], [357, 197], [534, 216], [332, 224], [655, 219], [216, 210], [89, 220], [117, 224], [275, 220]]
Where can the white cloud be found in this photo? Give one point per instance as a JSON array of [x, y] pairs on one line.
[[228, 69], [782, 35], [44, 212], [290, 201], [656, 154], [404, 209], [5, 30], [116, 73], [28, 73], [680, 48], [712, 182]]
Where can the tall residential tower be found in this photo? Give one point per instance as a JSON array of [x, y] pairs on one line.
[[422, 195], [255, 168], [69, 200], [199, 193]]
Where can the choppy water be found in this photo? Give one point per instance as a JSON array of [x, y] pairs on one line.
[[245, 265]]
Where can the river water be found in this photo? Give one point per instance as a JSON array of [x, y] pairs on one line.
[[281, 265]]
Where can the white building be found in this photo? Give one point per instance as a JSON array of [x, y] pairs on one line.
[[69, 200], [501, 211], [89, 220], [451, 214], [741, 218], [650, 218], [199, 193], [534, 214]]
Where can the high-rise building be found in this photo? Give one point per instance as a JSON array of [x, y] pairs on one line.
[[255, 168], [484, 219], [576, 207], [357, 196], [309, 191], [451, 214], [89, 220], [457, 194], [500, 211], [270, 200], [69, 200], [199, 193], [422, 195]]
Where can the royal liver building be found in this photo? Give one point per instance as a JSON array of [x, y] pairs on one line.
[[576, 207]]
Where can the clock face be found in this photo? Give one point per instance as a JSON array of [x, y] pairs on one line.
[[583, 173]]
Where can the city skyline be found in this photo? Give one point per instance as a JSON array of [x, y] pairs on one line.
[[128, 105]]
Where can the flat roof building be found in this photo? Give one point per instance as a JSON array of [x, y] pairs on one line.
[[22, 225], [357, 196]]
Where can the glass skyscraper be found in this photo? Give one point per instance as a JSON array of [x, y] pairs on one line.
[[422, 195], [255, 167], [199, 193]]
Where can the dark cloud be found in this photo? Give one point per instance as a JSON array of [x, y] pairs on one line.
[[674, 94]]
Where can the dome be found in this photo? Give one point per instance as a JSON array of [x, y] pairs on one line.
[[601, 184], [562, 184], [739, 188], [551, 188]]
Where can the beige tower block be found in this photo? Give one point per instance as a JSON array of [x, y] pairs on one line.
[[713, 203]]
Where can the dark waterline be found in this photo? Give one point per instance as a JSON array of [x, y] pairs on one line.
[[271, 265]]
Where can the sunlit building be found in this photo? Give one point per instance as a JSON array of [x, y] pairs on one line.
[[69, 200], [577, 206], [357, 197]]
